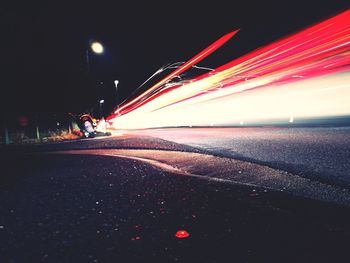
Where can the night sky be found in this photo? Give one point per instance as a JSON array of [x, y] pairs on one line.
[[43, 46]]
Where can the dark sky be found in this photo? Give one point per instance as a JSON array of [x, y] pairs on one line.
[[43, 46]]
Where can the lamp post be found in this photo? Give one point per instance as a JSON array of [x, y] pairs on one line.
[[102, 122], [97, 48], [116, 82], [101, 109]]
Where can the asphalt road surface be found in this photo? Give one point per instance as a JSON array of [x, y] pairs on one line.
[[320, 153], [57, 206]]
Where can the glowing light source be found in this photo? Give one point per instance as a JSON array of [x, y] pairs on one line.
[[97, 47], [182, 234]]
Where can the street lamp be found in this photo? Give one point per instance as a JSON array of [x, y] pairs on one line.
[[101, 111], [97, 48], [116, 82]]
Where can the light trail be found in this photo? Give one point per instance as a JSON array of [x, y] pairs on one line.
[[306, 75], [203, 54]]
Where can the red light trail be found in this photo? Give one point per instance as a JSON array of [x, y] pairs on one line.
[[305, 75], [206, 52]]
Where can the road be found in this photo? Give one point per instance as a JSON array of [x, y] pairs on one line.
[[106, 200], [320, 153]]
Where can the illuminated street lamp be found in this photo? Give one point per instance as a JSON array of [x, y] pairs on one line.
[[116, 82], [94, 47], [97, 48], [101, 110]]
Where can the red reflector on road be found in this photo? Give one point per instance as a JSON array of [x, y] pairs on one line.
[[182, 234]]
